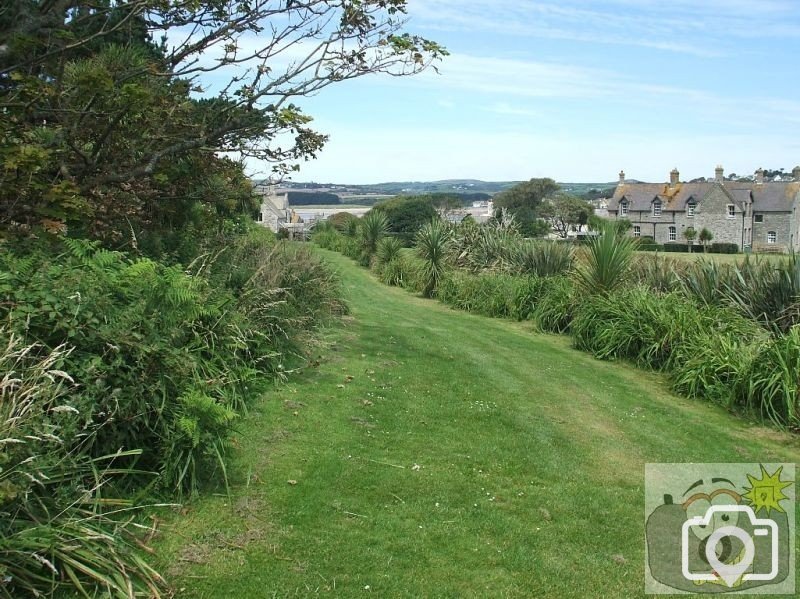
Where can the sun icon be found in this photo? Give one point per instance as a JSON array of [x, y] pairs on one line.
[[766, 492]]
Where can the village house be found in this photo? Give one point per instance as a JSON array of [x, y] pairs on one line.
[[756, 214], [274, 212]]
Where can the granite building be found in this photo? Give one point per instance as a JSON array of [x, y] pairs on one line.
[[759, 214]]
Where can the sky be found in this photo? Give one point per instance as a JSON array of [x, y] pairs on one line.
[[574, 90]]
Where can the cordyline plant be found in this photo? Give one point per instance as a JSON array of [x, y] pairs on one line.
[[607, 261]]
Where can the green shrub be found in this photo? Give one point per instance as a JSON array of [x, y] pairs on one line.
[[718, 369], [344, 222], [556, 306], [654, 331], [723, 248], [676, 246], [656, 272], [541, 258], [148, 336], [490, 294], [773, 382], [57, 531]]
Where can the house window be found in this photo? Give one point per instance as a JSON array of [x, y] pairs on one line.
[[772, 237], [637, 231], [731, 211], [673, 234], [759, 218], [623, 208], [657, 208], [690, 208], [260, 217]]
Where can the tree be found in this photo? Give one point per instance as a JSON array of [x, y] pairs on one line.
[[565, 213], [524, 200], [104, 120], [705, 238], [690, 234], [407, 214]]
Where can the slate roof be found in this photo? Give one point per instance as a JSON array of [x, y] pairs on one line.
[[767, 197]]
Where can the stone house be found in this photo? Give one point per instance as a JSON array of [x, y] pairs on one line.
[[759, 214]]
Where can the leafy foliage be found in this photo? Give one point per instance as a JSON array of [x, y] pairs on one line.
[[433, 248]]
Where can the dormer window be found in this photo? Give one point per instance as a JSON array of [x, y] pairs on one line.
[[623, 208], [690, 207], [656, 207]]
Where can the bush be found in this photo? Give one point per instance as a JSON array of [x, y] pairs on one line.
[[675, 246], [344, 222], [723, 248], [655, 331], [56, 531], [557, 302], [164, 360], [406, 215], [646, 243], [491, 294], [541, 258], [388, 250], [773, 382], [607, 260]]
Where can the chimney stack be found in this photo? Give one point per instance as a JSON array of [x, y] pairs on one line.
[[760, 176], [719, 174], [622, 177], [796, 173], [674, 177]]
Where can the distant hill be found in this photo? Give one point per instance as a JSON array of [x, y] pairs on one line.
[[464, 188]]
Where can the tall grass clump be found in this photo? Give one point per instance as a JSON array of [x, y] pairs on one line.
[[490, 294], [662, 332], [541, 258], [557, 303], [657, 272], [773, 382], [606, 263], [432, 247], [61, 527]]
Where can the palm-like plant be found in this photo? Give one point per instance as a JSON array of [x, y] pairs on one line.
[[607, 261], [388, 250], [433, 245], [370, 231]]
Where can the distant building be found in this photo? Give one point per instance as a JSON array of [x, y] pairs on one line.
[[759, 214], [274, 212]]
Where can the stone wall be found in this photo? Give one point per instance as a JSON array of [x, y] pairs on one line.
[[780, 222]]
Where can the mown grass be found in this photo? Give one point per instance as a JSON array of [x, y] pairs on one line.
[[429, 452], [718, 258]]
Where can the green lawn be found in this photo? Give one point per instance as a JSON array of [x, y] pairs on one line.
[[719, 258], [432, 453]]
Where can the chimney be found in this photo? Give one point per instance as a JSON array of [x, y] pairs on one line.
[[796, 173], [674, 177], [760, 176], [719, 174], [622, 177]]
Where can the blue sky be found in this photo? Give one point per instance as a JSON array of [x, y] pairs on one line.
[[575, 90]]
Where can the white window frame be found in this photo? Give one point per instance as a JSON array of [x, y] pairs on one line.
[[772, 237], [690, 208], [731, 211], [657, 213], [637, 231], [623, 208], [673, 234]]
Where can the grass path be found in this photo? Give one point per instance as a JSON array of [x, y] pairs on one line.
[[432, 453]]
